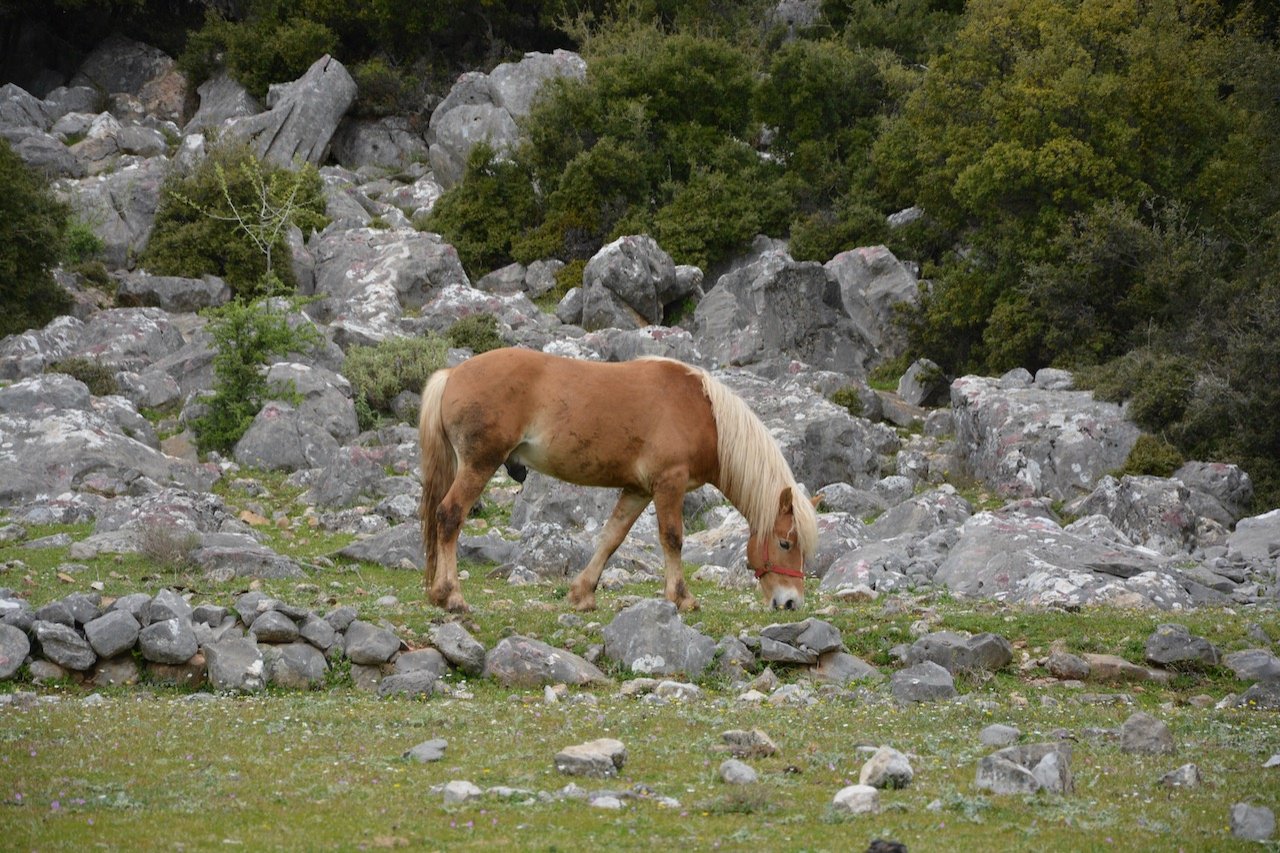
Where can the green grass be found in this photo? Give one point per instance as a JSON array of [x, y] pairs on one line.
[[322, 770]]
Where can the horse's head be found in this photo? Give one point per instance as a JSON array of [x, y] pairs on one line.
[[777, 557]]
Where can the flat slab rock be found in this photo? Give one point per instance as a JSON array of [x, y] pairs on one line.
[[599, 758]]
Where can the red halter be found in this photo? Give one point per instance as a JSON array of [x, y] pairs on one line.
[[770, 566]]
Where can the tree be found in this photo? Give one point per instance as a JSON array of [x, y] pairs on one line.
[[32, 228]]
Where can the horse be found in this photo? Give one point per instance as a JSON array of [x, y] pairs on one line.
[[654, 427]]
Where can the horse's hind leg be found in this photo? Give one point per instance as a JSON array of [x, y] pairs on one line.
[[582, 593], [467, 485], [668, 499]]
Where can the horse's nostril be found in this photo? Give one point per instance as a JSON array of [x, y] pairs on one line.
[[775, 605], [791, 604]]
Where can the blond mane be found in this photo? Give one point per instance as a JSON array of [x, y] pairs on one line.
[[753, 472]]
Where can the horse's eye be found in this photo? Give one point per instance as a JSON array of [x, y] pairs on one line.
[[784, 544]]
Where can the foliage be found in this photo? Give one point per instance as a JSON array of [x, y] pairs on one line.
[[247, 336], [81, 244], [230, 218], [33, 225], [478, 333], [100, 378], [1153, 456], [489, 216], [272, 45], [1157, 386], [848, 398], [380, 372]]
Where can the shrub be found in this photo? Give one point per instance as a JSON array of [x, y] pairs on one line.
[[33, 225], [1153, 456], [378, 373], [230, 218], [478, 333], [247, 336], [168, 547], [1157, 386], [82, 244], [100, 378], [848, 398]]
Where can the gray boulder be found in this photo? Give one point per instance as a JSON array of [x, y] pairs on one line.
[[21, 109], [221, 100], [297, 666], [301, 117], [633, 270], [1143, 733], [650, 638], [1173, 645], [1253, 664], [458, 647], [923, 682], [388, 143], [1027, 769], [778, 309], [230, 555], [119, 206], [168, 641], [420, 682], [370, 645], [48, 155], [112, 633], [1226, 484], [1151, 511], [119, 64], [886, 768], [524, 662], [172, 293], [235, 664], [64, 646], [873, 286], [14, 648], [1252, 823], [601, 758], [274, 627], [282, 438], [1027, 442], [958, 654], [325, 397]]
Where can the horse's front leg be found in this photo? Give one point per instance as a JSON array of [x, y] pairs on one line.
[[668, 500], [582, 593]]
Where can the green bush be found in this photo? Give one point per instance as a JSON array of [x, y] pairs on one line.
[[274, 44], [1156, 385], [247, 335], [379, 373], [33, 225], [478, 333], [100, 378], [1152, 455], [849, 399], [230, 218], [82, 244]]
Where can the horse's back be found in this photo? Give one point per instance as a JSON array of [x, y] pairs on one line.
[[597, 423]]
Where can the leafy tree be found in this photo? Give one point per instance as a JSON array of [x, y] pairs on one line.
[[33, 225], [230, 218]]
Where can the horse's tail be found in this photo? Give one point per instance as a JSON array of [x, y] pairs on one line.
[[439, 466]]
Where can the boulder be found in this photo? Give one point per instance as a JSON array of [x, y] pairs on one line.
[[650, 638], [524, 662], [387, 143], [282, 438], [14, 648], [172, 293], [302, 117], [235, 664], [1028, 442], [923, 682], [1151, 511], [119, 206], [633, 271], [1027, 769], [221, 100], [1173, 645], [601, 758], [874, 285]]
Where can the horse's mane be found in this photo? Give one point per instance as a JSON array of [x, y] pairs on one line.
[[753, 472]]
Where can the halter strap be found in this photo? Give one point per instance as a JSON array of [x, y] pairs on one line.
[[769, 566]]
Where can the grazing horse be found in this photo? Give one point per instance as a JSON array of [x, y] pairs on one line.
[[654, 427]]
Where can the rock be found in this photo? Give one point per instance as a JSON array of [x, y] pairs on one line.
[[123, 670], [294, 665], [1229, 487], [650, 638], [423, 659], [274, 627], [14, 648], [120, 207], [998, 734], [388, 143], [458, 647], [191, 673], [887, 768], [168, 641], [924, 682], [777, 309], [1252, 823], [599, 758], [1115, 668], [368, 644], [428, 750], [421, 682], [843, 668], [1026, 769], [924, 384], [1253, 664], [633, 270], [112, 633], [524, 662], [302, 119], [457, 792], [167, 604], [235, 664], [1067, 666], [1173, 645], [120, 64], [229, 555], [1151, 511], [874, 287], [1028, 442], [221, 100], [281, 438], [749, 744], [983, 653], [1144, 734], [1263, 696], [1186, 776], [857, 799], [735, 772], [62, 645]]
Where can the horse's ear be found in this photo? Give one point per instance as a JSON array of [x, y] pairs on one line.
[[784, 502], [816, 500]]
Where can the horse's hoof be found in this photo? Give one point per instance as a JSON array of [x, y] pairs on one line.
[[456, 604], [583, 602], [687, 604]]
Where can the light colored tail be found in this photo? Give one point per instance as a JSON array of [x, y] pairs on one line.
[[439, 466]]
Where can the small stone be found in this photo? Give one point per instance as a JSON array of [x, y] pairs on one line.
[[749, 744], [998, 734], [1067, 666], [1142, 733], [887, 768], [924, 682], [600, 758], [274, 627], [857, 799], [606, 801], [735, 772], [429, 750], [1186, 776], [1252, 823], [460, 791]]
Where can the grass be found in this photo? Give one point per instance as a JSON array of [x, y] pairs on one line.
[[323, 770]]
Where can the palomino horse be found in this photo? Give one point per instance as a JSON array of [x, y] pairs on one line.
[[655, 427]]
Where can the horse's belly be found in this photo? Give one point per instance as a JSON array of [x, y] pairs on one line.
[[583, 465]]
